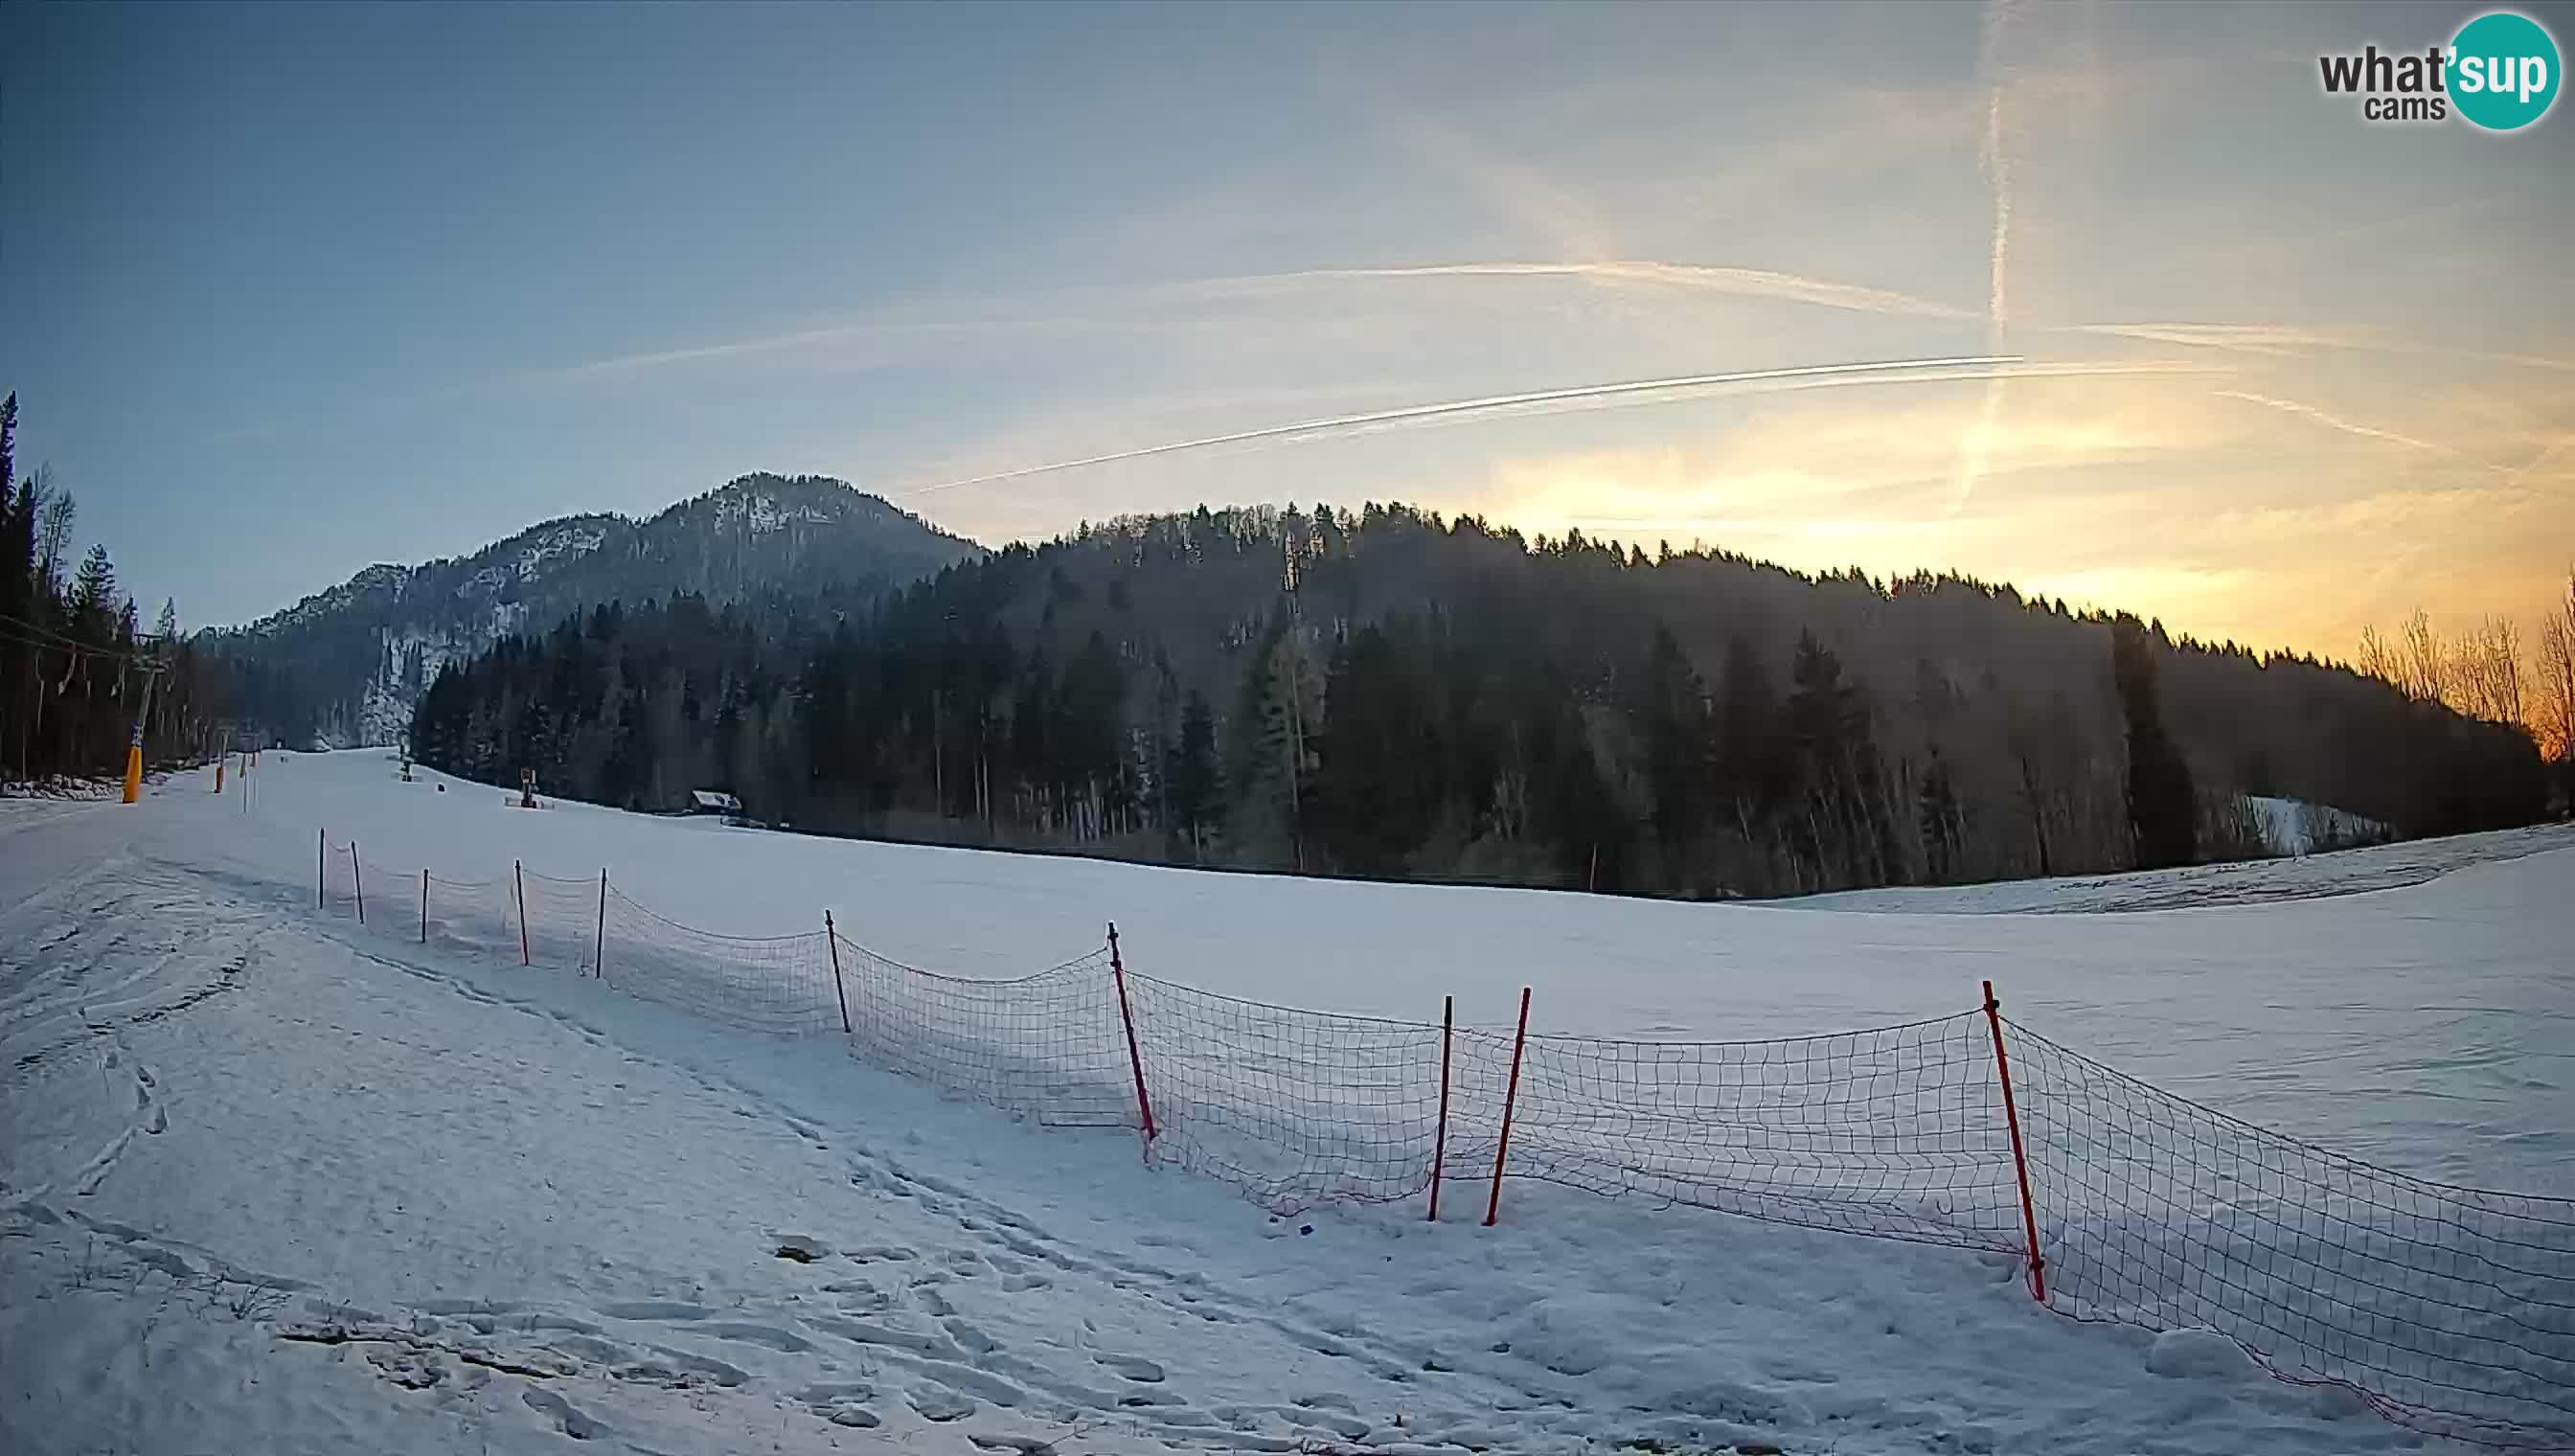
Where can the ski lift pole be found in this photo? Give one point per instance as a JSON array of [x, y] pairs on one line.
[[134, 746]]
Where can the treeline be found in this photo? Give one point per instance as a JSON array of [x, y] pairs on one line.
[[73, 664], [1388, 694], [2482, 672]]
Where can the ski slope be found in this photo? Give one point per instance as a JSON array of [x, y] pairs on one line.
[[272, 1185]]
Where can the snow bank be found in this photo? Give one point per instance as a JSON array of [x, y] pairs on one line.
[[503, 1207]]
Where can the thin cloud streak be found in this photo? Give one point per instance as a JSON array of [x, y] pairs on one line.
[[2330, 422], [2276, 340], [2554, 450], [1817, 376], [1995, 163], [1482, 405], [1637, 272], [1112, 307], [1743, 282], [2286, 340]]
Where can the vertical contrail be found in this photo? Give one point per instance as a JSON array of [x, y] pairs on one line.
[[1992, 160]]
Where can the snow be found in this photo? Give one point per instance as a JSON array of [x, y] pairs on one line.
[[539, 547], [2200, 1354], [2217, 999], [760, 512], [2245, 882], [270, 1182], [2294, 827]]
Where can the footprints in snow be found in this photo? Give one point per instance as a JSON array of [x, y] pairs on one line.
[[799, 1248], [566, 1417], [904, 1311], [1133, 1367], [148, 1114], [96, 1170], [906, 1318], [656, 1309]]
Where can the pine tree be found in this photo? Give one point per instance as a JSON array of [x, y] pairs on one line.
[[1849, 831], [1195, 794], [2162, 806], [1374, 795], [17, 596], [1672, 722], [1942, 826], [93, 602], [1268, 775], [1750, 748]]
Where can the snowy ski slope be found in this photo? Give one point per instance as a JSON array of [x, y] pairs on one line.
[[519, 1206]]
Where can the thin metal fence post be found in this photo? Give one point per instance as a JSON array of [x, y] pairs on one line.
[[832, 936], [1135, 1055], [1510, 1102], [1439, 1144], [2021, 1161], [599, 946]]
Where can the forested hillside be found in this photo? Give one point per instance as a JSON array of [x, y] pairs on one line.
[[344, 666], [73, 658], [1388, 694]]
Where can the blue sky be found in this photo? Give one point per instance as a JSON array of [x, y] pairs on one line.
[[285, 291]]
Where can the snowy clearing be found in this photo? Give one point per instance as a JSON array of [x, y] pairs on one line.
[[272, 1183], [2297, 875]]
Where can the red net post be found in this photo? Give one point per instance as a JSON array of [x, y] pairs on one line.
[[1135, 1055], [599, 937], [1440, 1139], [358, 881], [2020, 1159], [1511, 1098], [840, 989], [519, 890]]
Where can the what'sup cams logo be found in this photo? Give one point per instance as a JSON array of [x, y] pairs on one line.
[[2500, 73]]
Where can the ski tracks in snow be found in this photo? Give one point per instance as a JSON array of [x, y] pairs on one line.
[[97, 957], [903, 1311], [527, 1208], [347, 1135], [106, 953]]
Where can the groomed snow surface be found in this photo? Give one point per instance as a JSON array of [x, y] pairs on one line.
[[272, 1183]]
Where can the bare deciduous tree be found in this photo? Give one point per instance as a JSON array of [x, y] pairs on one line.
[[2485, 671], [2378, 658], [54, 532], [2553, 694], [2426, 664]]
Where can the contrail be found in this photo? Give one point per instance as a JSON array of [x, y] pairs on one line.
[[2554, 450], [1997, 169], [2287, 338], [1863, 373], [2267, 339], [2330, 422], [1748, 281]]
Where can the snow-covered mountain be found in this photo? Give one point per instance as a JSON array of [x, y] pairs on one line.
[[342, 667]]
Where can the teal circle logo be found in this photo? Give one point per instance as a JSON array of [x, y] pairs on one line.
[[2503, 71]]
